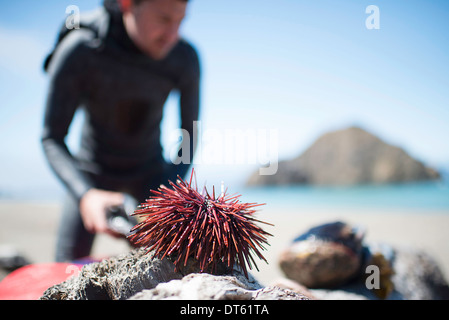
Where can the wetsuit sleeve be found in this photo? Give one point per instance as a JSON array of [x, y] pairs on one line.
[[189, 105], [65, 94]]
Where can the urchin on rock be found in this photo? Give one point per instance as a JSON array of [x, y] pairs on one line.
[[183, 223]]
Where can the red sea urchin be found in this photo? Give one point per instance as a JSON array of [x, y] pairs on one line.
[[182, 223]]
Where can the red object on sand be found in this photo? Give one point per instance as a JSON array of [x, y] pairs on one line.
[[30, 282]]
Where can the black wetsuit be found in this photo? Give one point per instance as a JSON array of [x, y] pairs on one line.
[[122, 92]]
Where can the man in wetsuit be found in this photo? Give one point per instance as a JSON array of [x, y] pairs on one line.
[[120, 67]]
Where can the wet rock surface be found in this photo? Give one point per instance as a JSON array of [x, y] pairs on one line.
[[319, 264], [325, 256], [334, 262]]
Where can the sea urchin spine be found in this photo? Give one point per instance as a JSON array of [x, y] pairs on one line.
[[182, 223]]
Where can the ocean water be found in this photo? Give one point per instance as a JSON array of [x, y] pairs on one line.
[[427, 195]]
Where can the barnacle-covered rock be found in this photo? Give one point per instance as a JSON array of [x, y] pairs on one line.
[[116, 278], [142, 276]]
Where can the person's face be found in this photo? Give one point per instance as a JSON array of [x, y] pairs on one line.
[[156, 24]]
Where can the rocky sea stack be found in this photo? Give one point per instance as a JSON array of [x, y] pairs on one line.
[[348, 157]]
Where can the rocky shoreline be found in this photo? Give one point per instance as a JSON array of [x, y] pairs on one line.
[[140, 276], [312, 264]]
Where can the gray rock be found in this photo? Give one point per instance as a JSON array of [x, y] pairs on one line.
[[286, 283], [334, 262], [116, 278], [11, 259], [348, 157], [418, 276], [326, 294], [139, 276], [210, 287]]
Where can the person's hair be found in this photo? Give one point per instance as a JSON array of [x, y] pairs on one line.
[[113, 6]]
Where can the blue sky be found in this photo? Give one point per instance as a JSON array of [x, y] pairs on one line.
[[298, 67]]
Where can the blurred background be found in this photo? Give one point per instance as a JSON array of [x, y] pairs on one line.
[[285, 72], [300, 68]]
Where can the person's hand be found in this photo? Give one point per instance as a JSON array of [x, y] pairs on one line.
[[93, 206]]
